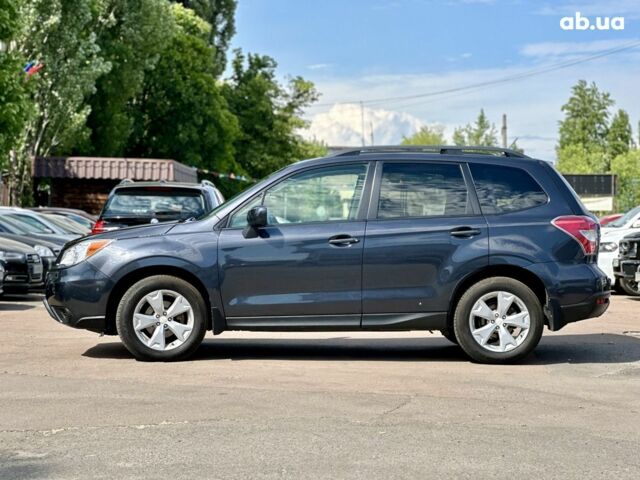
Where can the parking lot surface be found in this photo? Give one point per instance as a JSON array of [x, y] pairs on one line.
[[337, 405]]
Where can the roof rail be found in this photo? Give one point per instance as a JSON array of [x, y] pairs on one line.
[[440, 149], [125, 181], [207, 183]]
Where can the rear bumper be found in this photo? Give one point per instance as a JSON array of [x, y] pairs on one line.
[[574, 292]]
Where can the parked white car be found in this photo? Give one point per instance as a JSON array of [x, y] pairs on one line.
[[610, 237]]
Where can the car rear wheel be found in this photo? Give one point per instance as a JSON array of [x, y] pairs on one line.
[[498, 320], [161, 318], [630, 287]]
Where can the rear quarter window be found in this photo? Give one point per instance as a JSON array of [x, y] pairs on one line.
[[504, 189]]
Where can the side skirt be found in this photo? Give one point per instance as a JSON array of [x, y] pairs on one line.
[[318, 323]]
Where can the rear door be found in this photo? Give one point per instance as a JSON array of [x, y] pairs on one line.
[[424, 234]]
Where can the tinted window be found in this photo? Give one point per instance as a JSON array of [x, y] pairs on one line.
[[422, 190], [319, 195], [161, 202], [505, 189]]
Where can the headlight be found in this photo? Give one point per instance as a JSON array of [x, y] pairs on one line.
[[608, 247], [43, 251], [11, 255], [81, 251]]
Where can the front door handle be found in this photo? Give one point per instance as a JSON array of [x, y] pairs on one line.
[[464, 232], [343, 240]]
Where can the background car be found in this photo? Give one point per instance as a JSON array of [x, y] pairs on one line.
[[24, 271], [37, 222], [67, 223], [610, 237], [78, 216], [607, 219], [48, 251], [136, 203], [16, 227], [625, 267]]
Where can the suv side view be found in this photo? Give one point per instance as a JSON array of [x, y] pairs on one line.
[[486, 245]]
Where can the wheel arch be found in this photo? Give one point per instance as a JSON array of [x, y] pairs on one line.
[[521, 274], [130, 278]]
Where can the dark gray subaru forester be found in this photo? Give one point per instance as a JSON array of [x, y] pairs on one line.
[[486, 245]]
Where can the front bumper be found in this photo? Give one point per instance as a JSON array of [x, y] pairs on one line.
[[77, 296], [626, 269]]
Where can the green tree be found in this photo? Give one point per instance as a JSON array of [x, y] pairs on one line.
[[619, 136], [627, 169], [269, 114], [181, 112], [577, 158], [131, 39], [220, 14], [480, 133], [427, 135], [586, 120], [14, 98]]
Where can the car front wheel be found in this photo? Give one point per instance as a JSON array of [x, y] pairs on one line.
[[161, 318], [630, 287], [498, 320]]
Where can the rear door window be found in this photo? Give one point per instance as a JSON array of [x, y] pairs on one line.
[[422, 190], [504, 189]]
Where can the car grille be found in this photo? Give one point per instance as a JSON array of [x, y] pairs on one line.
[[32, 260]]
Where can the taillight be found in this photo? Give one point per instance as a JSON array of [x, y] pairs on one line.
[[583, 229], [98, 227]]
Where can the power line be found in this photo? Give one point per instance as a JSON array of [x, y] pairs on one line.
[[488, 83]]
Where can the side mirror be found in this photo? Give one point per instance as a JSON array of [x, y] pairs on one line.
[[636, 224], [257, 217]]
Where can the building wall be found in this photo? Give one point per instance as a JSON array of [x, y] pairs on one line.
[[89, 195]]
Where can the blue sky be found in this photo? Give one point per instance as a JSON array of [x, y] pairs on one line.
[[359, 50]]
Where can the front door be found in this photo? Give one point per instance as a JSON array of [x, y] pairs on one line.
[[305, 267]]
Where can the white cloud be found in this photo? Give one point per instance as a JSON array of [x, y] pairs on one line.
[[626, 8], [319, 66], [547, 49], [532, 105], [341, 125]]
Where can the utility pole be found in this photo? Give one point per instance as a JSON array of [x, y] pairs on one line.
[[371, 130], [362, 121], [504, 130]]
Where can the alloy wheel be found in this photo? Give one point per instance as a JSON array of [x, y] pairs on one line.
[[163, 320], [499, 321]]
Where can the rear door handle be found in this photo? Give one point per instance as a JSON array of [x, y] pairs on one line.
[[464, 232], [343, 240]]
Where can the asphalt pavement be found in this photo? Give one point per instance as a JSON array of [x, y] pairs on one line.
[[318, 405]]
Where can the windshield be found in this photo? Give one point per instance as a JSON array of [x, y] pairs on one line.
[[66, 224], [161, 203], [34, 225], [10, 226], [626, 218]]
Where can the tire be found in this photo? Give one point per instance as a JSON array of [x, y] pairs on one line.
[[449, 335], [497, 339], [629, 287], [155, 335]]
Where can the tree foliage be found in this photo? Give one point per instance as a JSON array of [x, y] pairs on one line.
[[220, 14], [480, 133], [14, 99], [591, 141], [131, 38], [181, 112], [269, 114], [586, 120], [427, 135]]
